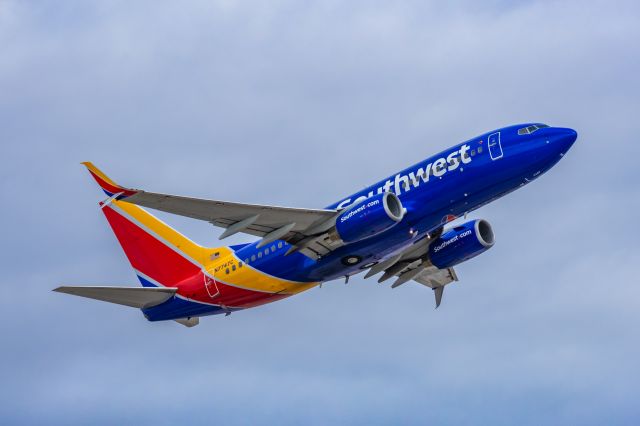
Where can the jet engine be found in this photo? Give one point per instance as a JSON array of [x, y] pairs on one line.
[[369, 217], [461, 243]]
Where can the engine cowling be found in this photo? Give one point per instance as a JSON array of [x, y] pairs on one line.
[[370, 217], [461, 243]]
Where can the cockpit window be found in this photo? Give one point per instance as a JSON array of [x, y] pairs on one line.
[[530, 129]]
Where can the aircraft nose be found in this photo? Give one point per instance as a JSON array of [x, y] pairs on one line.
[[566, 137]]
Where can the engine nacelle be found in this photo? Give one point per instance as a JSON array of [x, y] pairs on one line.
[[461, 243], [370, 217]]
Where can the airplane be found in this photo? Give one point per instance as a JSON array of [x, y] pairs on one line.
[[396, 228]]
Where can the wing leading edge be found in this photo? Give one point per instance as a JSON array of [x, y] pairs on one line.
[[305, 229]]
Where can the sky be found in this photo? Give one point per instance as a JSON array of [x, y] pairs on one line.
[[300, 103]]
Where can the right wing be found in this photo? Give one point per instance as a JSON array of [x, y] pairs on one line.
[[305, 229], [260, 220]]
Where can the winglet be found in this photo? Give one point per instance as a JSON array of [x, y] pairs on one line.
[[108, 186]]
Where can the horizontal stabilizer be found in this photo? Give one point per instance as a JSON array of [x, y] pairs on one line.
[[136, 297]]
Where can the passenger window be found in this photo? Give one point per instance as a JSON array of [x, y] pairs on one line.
[[259, 255], [233, 267], [245, 261], [266, 252], [227, 271], [253, 258], [239, 264], [280, 244], [273, 248], [473, 153], [479, 150]]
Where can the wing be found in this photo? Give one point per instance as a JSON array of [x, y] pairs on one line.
[[413, 264], [304, 229], [258, 220]]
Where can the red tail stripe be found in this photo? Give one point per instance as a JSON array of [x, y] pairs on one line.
[[147, 254], [159, 262]]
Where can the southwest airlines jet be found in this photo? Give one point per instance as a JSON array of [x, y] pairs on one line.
[[397, 228]]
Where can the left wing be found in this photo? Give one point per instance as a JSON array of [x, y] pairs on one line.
[[412, 264], [436, 279], [305, 229]]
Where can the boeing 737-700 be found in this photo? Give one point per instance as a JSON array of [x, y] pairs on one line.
[[398, 228]]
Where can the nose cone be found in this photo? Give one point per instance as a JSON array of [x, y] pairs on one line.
[[565, 138]]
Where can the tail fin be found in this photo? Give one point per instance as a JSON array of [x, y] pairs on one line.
[[159, 254]]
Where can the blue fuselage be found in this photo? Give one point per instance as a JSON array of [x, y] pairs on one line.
[[435, 191]]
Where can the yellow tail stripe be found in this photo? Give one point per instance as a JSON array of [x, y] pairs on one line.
[[245, 276]]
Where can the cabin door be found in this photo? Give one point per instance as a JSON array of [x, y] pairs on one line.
[[210, 283], [495, 148]]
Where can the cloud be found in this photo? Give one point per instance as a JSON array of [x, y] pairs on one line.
[[302, 104]]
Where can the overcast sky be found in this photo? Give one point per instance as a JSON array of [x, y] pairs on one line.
[[299, 104]]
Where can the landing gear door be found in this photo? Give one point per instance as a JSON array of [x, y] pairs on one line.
[[495, 149]]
